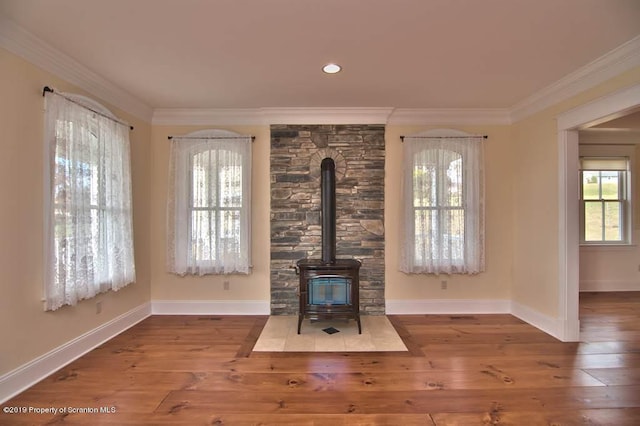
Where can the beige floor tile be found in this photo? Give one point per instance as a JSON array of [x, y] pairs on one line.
[[300, 343], [270, 345], [280, 334]]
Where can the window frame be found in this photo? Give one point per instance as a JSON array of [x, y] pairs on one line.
[[215, 210], [471, 259], [104, 212], [99, 208], [440, 207], [625, 194], [182, 251]]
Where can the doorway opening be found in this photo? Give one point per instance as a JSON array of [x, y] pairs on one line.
[[601, 110]]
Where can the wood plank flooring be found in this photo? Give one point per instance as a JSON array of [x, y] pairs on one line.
[[460, 370]]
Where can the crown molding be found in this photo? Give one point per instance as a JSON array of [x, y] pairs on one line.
[[31, 48], [267, 116], [609, 65], [326, 115], [454, 116]]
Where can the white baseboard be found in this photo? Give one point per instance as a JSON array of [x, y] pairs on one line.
[[597, 285], [446, 306], [211, 307], [16, 381], [549, 325]]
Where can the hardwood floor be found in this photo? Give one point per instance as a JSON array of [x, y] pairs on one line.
[[460, 370]]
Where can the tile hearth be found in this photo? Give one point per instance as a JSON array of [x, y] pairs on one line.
[[280, 335]]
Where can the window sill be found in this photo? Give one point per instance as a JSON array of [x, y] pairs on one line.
[[608, 247]]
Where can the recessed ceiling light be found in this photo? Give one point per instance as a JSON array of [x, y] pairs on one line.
[[331, 68]]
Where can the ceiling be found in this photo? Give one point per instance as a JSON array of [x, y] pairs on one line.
[[269, 53]]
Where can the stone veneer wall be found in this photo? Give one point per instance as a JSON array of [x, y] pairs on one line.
[[296, 153]]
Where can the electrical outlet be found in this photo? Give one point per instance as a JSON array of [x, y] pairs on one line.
[[443, 285], [225, 285], [99, 307]]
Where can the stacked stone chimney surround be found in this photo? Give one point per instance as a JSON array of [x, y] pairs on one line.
[[296, 153]]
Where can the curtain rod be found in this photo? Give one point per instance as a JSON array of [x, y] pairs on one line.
[[253, 138], [46, 89], [445, 137]]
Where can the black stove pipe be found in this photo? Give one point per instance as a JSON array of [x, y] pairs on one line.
[[328, 209]]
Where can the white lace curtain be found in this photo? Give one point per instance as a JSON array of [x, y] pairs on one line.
[[209, 214], [89, 220], [443, 189]]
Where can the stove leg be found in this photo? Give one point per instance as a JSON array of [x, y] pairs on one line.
[[300, 317], [359, 325]]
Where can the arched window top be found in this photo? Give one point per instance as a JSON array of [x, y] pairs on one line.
[[90, 104], [436, 133], [443, 140], [214, 133], [212, 139]]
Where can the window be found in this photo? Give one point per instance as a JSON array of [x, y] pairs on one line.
[[604, 200], [443, 193], [209, 208], [89, 215]]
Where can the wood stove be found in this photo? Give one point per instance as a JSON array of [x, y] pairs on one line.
[[329, 287], [329, 290]]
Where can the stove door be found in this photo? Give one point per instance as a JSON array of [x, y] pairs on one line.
[[329, 290]]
